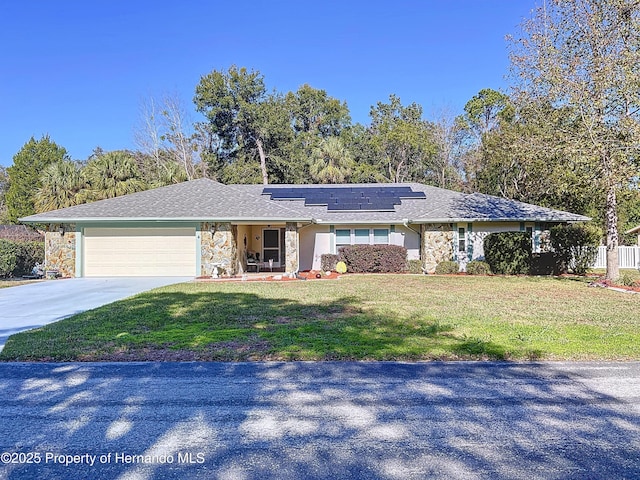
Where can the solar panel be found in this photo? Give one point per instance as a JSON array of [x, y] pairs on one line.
[[374, 198]]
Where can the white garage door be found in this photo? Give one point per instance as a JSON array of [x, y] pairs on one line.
[[139, 252]]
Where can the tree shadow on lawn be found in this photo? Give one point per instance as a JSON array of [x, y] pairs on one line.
[[320, 420], [223, 326]]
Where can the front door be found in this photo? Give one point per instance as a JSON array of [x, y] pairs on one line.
[[271, 246]]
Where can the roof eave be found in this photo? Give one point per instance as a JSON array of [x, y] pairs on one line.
[[504, 219]]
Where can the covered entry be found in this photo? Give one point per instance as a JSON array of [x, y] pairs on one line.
[[139, 252]]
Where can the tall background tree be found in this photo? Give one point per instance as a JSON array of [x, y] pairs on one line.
[[583, 57], [110, 175], [402, 142], [4, 185], [168, 141], [63, 184], [314, 117], [331, 162], [251, 123], [24, 175]]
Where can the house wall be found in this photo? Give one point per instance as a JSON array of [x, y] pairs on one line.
[[60, 251], [408, 238], [316, 240]]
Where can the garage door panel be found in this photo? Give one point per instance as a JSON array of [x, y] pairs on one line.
[[139, 252]]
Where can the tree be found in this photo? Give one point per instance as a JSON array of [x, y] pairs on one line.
[[4, 186], [584, 55], [111, 175], [314, 117], [167, 138], [62, 185], [402, 141], [24, 175], [249, 121], [523, 159], [483, 114], [448, 138], [332, 162]]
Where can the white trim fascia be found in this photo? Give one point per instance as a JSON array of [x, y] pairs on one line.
[[164, 219]]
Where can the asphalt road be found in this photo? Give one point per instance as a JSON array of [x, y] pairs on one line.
[[330, 420]]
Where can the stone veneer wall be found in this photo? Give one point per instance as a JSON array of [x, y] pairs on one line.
[[437, 245], [291, 248], [60, 251], [218, 248]]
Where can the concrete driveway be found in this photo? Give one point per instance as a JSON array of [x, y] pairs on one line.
[[30, 306]]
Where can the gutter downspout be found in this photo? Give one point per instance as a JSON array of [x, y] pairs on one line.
[[405, 222]]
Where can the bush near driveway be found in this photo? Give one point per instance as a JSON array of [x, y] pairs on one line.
[[18, 258], [8, 258]]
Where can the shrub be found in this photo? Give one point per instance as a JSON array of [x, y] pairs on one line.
[[508, 253], [447, 267], [627, 280], [414, 266], [19, 258], [575, 247], [374, 258], [328, 262], [28, 254], [8, 258], [477, 267]]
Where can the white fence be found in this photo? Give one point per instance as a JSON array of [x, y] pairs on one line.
[[628, 257]]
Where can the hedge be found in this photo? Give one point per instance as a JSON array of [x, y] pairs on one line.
[[19, 258], [374, 258], [508, 253]]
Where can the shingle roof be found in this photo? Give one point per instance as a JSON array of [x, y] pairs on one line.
[[207, 200]]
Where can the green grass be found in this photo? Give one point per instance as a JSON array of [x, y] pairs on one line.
[[359, 317]]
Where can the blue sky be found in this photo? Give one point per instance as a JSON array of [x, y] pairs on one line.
[[79, 70]]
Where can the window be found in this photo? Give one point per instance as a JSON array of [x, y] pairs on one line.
[[343, 237], [462, 244], [380, 236], [362, 236]]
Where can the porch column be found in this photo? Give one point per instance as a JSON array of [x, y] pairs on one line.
[[291, 248], [60, 249], [218, 248], [436, 245]]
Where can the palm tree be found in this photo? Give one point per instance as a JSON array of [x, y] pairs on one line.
[[112, 175], [331, 162], [62, 185]]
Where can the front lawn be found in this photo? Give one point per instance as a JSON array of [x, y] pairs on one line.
[[359, 317]]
